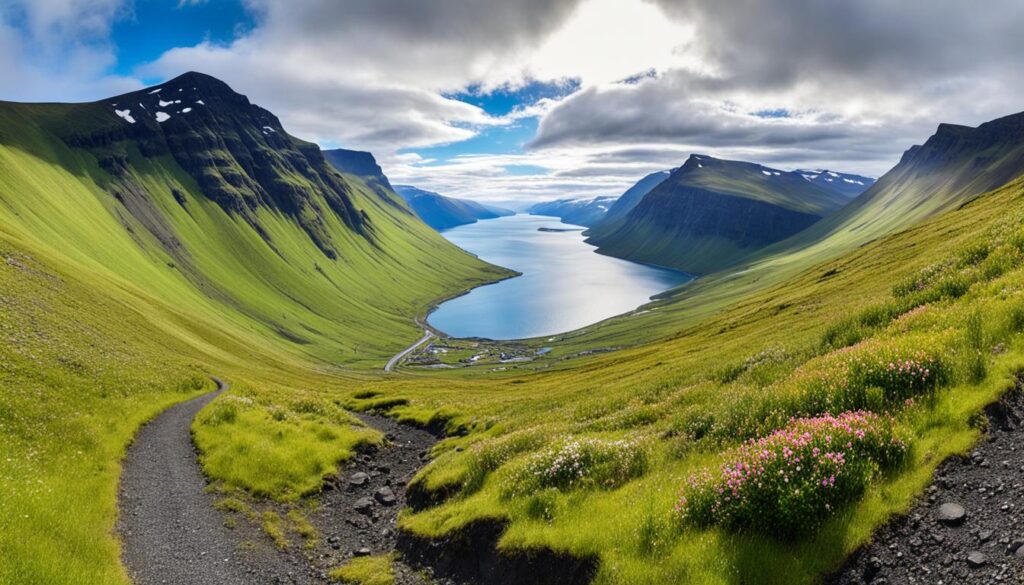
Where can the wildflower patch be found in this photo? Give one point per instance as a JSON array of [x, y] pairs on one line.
[[577, 462], [790, 481]]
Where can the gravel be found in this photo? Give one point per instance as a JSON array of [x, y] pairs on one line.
[[170, 532], [969, 525]]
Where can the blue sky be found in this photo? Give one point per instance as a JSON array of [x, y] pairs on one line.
[[514, 101], [151, 27]]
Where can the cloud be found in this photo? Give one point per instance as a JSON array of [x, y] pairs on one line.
[[59, 49], [861, 81]]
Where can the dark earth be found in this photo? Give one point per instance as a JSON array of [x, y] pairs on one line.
[[968, 526]]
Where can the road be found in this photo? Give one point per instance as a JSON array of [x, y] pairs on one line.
[[427, 334]]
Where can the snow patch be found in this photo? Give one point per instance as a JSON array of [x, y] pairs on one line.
[[831, 174], [852, 182], [776, 173], [162, 117], [269, 129], [186, 110], [200, 102], [126, 115], [829, 180], [164, 104], [768, 173], [157, 90]]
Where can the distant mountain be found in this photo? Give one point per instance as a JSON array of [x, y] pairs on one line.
[[585, 212], [634, 194], [845, 184], [441, 213], [710, 213]]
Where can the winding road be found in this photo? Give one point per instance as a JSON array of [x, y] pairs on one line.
[[427, 334], [170, 531]]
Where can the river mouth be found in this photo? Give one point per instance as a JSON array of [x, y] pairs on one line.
[[564, 284]]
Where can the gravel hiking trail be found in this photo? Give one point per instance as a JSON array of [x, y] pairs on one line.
[[172, 534]]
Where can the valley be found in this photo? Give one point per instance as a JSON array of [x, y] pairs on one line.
[[232, 355]]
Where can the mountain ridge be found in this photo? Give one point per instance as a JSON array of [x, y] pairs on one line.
[[711, 213]]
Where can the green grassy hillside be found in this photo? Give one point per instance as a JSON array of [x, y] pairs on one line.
[[292, 250], [139, 257], [711, 213], [591, 459]]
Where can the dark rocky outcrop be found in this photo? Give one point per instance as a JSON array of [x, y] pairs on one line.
[[238, 153]]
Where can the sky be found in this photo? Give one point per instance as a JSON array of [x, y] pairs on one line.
[[516, 101]]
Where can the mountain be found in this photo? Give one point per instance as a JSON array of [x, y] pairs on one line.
[[844, 184], [635, 194], [361, 164], [192, 197], [711, 213], [585, 212], [441, 213], [952, 166]]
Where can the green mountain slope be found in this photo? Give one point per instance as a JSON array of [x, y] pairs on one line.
[[218, 209], [441, 212], [952, 167], [711, 213]]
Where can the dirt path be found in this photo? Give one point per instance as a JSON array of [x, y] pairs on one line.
[[968, 526], [170, 532]]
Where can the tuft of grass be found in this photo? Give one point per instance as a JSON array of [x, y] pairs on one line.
[[273, 526], [371, 570]]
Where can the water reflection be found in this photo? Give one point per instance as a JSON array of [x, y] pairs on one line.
[[565, 284]]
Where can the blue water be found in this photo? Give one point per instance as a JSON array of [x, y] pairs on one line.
[[565, 284]]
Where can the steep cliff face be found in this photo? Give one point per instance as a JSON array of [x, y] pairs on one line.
[[710, 213], [361, 164], [632, 197], [238, 154]]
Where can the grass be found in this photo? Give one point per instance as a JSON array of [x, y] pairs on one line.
[[372, 570], [584, 455]]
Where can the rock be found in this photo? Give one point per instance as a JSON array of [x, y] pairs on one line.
[[951, 514], [358, 478], [1014, 546], [976, 559], [985, 535], [385, 496], [362, 552], [1020, 552], [363, 505]]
